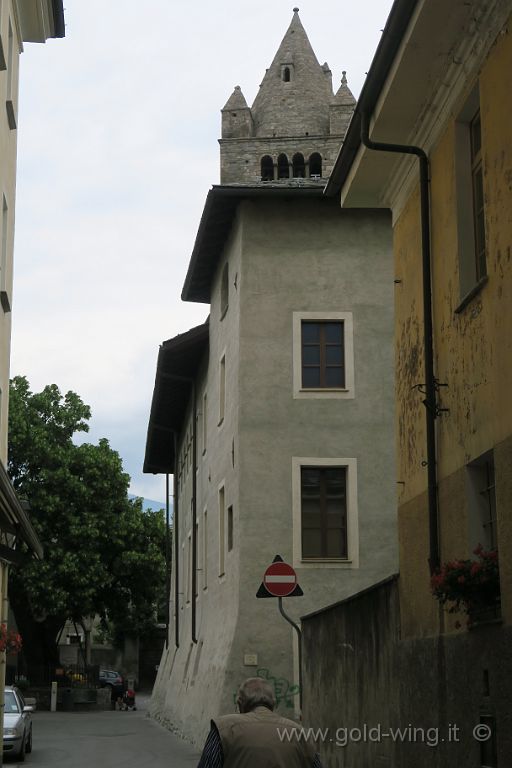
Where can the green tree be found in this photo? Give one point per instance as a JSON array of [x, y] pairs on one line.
[[103, 554]]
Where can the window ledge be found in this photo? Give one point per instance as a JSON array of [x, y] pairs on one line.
[[324, 389], [325, 560], [471, 294]]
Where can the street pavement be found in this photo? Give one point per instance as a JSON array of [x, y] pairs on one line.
[[105, 740]]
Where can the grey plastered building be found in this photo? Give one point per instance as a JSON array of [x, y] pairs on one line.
[[276, 416]]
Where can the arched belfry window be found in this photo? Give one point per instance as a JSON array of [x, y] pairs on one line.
[[315, 165], [283, 167], [299, 166], [286, 73], [267, 168]]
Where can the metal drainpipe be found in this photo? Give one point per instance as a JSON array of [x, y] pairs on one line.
[[194, 511], [430, 400], [175, 533]]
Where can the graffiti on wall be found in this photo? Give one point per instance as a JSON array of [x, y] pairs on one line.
[[284, 691]]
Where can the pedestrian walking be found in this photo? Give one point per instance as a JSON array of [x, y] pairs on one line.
[[257, 737]]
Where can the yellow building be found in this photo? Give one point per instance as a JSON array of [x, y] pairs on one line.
[[437, 102], [20, 21]]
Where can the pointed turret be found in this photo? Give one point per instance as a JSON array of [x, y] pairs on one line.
[[294, 96], [237, 120], [341, 108]]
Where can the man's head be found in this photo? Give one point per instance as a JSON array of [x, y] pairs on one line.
[[255, 692]]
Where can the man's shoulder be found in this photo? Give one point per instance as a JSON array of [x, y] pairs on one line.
[[260, 713]]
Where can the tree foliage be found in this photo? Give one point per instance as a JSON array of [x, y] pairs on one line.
[[103, 554]]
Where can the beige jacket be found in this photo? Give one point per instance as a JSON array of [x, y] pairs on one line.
[[253, 740]]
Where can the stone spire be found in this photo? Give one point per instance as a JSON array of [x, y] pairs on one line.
[[296, 91], [344, 94], [236, 117], [341, 108], [236, 100]]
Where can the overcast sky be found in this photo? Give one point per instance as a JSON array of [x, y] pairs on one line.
[[117, 148]]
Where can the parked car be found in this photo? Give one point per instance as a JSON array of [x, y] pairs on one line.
[[17, 724], [113, 680]]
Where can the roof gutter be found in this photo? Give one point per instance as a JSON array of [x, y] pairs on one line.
[[431, 385]]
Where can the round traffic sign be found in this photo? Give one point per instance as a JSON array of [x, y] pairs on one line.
[[280, 579]]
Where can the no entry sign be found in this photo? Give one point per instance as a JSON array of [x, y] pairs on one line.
[[279, 580]]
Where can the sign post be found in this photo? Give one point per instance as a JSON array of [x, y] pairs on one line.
[[280, 580]]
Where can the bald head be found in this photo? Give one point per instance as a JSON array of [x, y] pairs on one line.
[[255, 692]]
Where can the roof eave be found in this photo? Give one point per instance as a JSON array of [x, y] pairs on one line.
[[40, 20], [178, 361], [216, 221]]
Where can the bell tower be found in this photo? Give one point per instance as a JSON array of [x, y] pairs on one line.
[[296, 124]]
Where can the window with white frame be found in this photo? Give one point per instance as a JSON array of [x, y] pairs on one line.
[[323, 355], [469, 179], [325, 518]]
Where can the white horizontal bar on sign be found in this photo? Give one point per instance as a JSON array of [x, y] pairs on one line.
[[280, 579]]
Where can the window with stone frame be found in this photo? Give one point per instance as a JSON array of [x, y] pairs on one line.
[[324, 512], [323, 354]]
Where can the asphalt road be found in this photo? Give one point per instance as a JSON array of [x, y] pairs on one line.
[[105, 740]]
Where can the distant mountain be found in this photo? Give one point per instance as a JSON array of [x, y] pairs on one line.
[[150, 503]]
